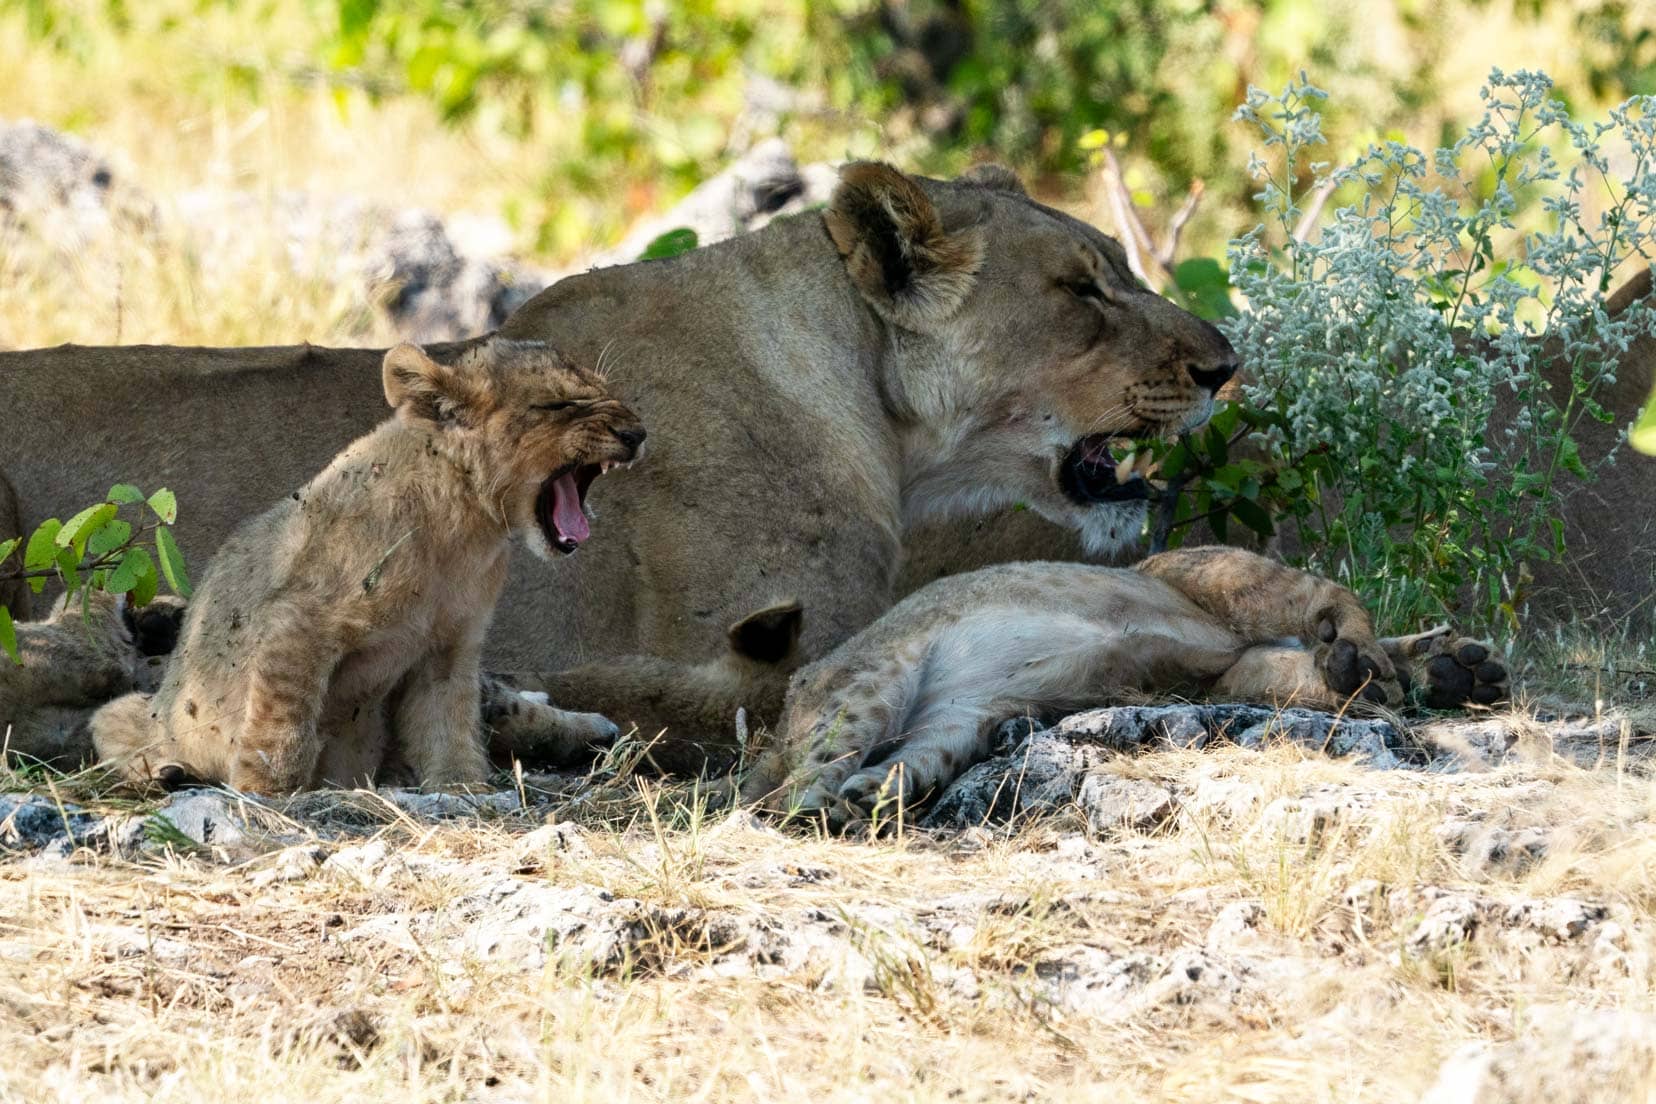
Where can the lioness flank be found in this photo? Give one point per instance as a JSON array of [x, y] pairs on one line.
[[344, 627]]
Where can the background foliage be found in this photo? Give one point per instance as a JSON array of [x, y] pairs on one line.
[[572, 118]]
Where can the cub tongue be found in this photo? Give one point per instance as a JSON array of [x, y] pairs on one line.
[[566, 510]]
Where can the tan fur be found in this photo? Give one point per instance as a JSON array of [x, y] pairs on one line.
[[85, 652], [346, 623], [902, 708], [14, 594], [918, 351]]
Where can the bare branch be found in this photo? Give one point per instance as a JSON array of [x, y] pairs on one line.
[[1169, 251], [1313, 209]]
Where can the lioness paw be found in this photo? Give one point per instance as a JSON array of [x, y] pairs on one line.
[[1357, 668]]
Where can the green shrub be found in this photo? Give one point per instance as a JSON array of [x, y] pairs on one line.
[[1378, 349]]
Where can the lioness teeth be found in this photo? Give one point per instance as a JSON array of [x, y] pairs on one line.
[[1125, 468]]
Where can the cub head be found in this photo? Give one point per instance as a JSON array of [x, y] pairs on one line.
[[531, 429], [1029, 359]]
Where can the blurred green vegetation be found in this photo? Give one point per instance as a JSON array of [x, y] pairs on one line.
[[630, 103]]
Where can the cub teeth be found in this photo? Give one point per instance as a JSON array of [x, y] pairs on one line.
[[1124, 468]]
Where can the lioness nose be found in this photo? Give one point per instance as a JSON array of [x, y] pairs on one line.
[[632, 438], [1211, 379]]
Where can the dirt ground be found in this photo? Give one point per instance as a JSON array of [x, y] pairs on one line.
[[1274, 926]]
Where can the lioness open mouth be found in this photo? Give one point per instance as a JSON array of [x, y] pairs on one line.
[[560, 507], [1100, 468]]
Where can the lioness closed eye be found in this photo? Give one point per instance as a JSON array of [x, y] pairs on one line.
[[902, 708], [348, 620]]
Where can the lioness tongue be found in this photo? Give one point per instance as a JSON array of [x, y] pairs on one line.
[[566, 510]]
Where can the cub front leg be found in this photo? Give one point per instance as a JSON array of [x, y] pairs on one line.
[[523, 724], [288, 676], [438, 720], [838, 723], [1263, 601]]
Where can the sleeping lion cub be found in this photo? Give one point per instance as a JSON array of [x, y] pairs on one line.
[[901, 709], [345, 625]]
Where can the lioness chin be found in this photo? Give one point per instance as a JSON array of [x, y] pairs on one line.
[[343, 628]]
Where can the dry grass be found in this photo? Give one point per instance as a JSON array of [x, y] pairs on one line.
[[187, 978]]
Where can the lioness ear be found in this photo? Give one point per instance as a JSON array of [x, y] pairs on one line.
[[895, 248], [418, 388], [769, 635], [997, 178]]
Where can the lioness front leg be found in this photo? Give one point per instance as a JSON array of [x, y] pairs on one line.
[[1263, 601], [438, 721]]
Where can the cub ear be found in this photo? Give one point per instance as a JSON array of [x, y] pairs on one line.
[[996, 178], [906, 265], [770, 635], [420, 389]]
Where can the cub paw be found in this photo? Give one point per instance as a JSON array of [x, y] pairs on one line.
[[1461, 672], [877, 791], [1357, 667]]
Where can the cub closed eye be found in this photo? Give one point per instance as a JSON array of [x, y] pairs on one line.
[[555, 406]]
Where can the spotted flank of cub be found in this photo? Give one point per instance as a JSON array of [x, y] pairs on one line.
[[903, 708], [338, 635]]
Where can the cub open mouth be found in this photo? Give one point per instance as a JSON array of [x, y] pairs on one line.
[[560, 507], [1100, 468]]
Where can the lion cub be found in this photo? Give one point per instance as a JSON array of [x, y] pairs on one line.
[[347, 622], [897, 712]]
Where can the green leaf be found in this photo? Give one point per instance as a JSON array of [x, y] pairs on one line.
[[79, 528], [144, 592], [1643, 434], [1253, 516], [8, 547], [107, 539], [172, 562], [670, 244], [8, 636], [125, 493], [165, 505], [42, 550], [134, 566], [1205, 288], [68, 565]]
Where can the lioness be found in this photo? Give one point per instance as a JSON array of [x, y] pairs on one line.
[[919, 349], [901, 709], [350, 617]]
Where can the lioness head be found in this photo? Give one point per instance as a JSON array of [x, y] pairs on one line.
[[531, 430], [1030, 359]]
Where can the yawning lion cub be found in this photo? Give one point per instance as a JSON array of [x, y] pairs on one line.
[[348, 620]]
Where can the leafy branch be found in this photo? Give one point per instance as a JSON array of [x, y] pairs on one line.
[[98, 549]]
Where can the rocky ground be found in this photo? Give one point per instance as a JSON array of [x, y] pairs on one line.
[[1183, 903]]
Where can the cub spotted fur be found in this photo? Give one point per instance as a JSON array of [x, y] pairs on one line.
[[89, 648], [346, 623], [902, 708]]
